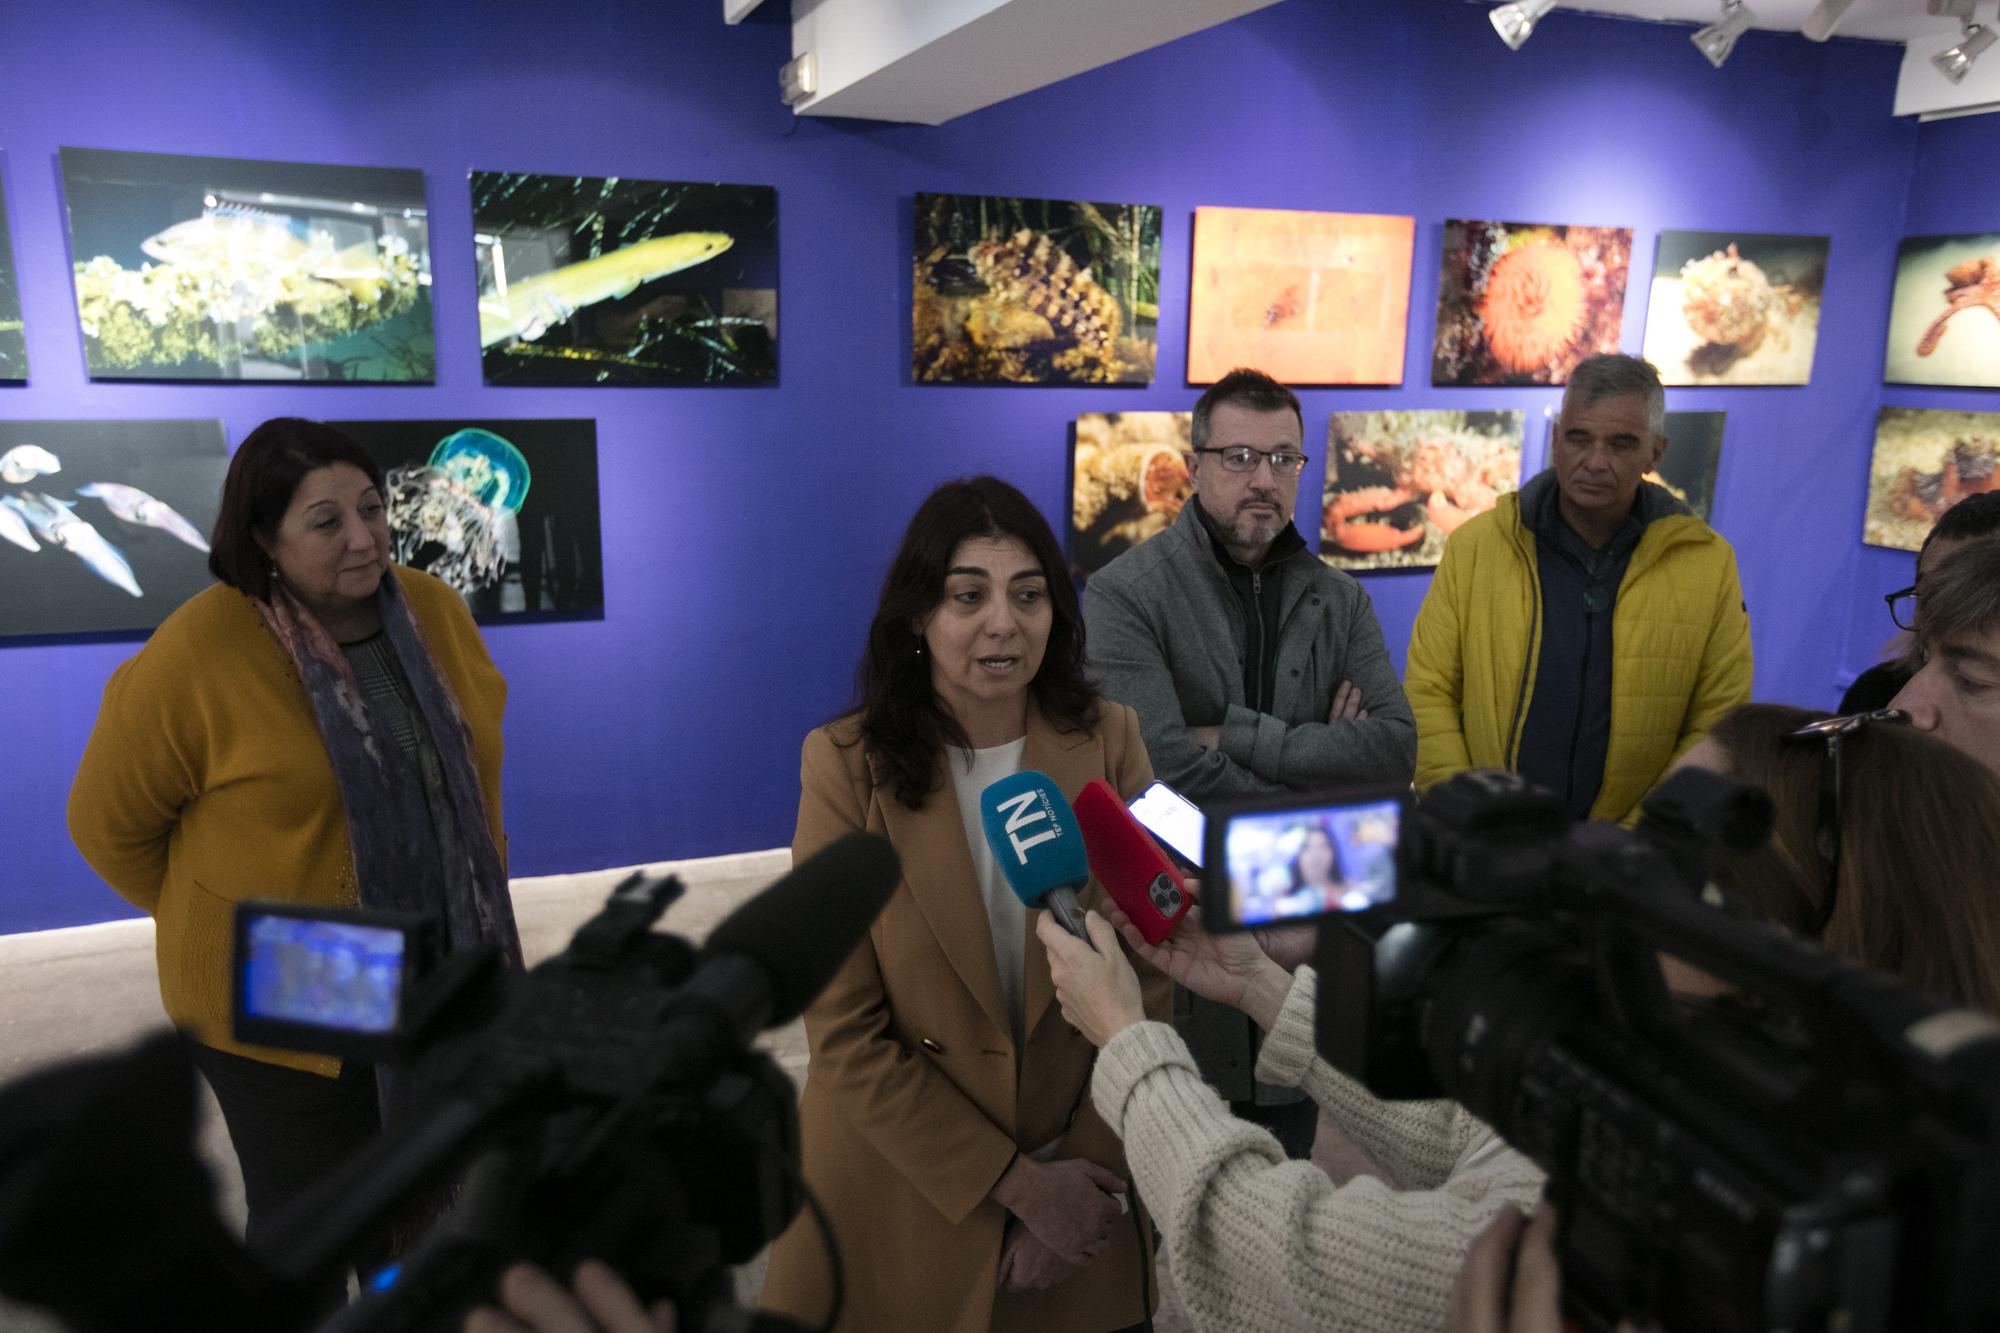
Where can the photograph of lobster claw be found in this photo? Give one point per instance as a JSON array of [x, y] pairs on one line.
[[1925, 462], [1944, 318], [1034, 291], [1399, 483], [1523, 303], [1128, 482], [104, 524], [13, 343], [604, 280], [213, 268], [1735, 307]]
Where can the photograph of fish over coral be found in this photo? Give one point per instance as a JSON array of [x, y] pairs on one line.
[[1128, 481], [1687, 469], [1523, 303], [211, 268], [1944, 318], [1399, 483], [1308, 298], [1735, 307], [1034, 291], [603, 280], [103, 524], [504, 511], [13, 342], [1925, 462]]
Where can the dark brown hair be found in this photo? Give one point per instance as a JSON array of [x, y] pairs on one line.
[[1962, 594], [263, 476], [1245, 388], [903, 724]]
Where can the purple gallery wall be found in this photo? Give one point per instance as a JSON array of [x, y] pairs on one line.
[[745, 529]]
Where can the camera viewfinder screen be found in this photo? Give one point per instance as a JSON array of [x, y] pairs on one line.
[[324, 973], [1289, 865]]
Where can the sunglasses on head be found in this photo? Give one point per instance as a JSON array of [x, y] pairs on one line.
[[1833, 731]]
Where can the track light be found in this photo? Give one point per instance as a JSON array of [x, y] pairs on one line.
[[1954, 62], [1516, 22], [1718, 39], [1820, 23]]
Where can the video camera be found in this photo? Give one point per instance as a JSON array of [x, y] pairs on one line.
[[1816, 1147]]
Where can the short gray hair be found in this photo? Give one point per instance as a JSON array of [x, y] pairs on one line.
[[1962, 595], [1615, 375]]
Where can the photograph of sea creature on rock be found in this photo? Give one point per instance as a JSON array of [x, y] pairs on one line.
[[1128, 482], [13, 342], [1034, 291], [1399, 483], [1926, 460], [606, 280], [209, 268], [1944, 317], [1735, 307], [1523, 302]]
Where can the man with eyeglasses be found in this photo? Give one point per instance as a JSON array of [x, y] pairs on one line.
[[1973, 517], [1255, 669], [1955, 694]]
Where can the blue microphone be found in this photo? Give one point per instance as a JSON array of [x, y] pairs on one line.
[[1033, 835]]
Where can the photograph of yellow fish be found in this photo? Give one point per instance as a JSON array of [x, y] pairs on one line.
[[103, 524], [210, 268], [605, 280], [1034, 291], [13, 344]]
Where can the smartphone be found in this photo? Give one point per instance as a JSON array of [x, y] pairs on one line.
[[326, 979], [1303, 857], [1173, 819]]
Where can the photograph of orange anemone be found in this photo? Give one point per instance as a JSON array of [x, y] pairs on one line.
[[1398, 484], [1523, 303], [1308, 298]]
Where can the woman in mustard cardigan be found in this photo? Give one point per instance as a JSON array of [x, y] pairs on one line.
[[321, 728]]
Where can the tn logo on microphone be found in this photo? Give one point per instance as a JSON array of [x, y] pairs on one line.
[[1030, 807]]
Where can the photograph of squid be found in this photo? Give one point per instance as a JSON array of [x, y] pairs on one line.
[[1309, 298], [1034, 291], [504, 511], [104, 524], [13, 342], [1735, 307], [210, 268], [603, 280], [1128, 481], [1944, 318], [1523, 303], [1399, 483], [1925, 462]]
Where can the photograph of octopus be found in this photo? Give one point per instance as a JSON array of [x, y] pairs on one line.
[[1687, 469], [1523, 303], [1735, 307], [603, 280], [504, 511], [1034, 291], [1128, 481], [1399, 483], [212, 268], [13, 342], [1944, 319], [1925, 462], [1308, 298], [103, 524]]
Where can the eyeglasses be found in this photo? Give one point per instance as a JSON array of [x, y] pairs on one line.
[[1903, 606], [1834, 731], [1242, 458]]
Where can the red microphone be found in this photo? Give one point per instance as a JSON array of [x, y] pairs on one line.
[[1129, 864]]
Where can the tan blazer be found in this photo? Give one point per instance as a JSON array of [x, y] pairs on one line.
[[912, 1108]]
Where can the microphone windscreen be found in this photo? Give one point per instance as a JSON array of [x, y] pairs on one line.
[[1140, 878], [802, 928], [1033, 834]]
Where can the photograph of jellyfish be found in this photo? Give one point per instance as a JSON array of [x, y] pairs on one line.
[[1522, 303], [212, 268], [104, 524], [1944, 318], [1308, 298], [1689, 466], [503, 511], [1034, 291], [1925, 462], [603, 280], [1399, 483], [1128, 481], [1735, 307], [13, 342]]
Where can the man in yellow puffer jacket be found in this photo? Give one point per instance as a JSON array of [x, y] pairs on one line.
[[1588, 629]]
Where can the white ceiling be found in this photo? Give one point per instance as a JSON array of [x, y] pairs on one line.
[[1881, 20]]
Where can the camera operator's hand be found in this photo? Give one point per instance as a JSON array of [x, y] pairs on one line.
[[1288, 946], [1229, 969], [1484, 1300], [1070, 1205], [537, 1303], [1096, 986], [1028, 1265]]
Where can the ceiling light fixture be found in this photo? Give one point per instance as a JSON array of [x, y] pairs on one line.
[[1821, 22], [1516, 22], [1718, 39], [1954, 62]]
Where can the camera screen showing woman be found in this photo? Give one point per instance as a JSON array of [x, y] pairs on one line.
[[1292, 864]]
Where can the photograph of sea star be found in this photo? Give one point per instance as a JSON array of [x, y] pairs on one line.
[[1944, 318], [1523, 302], [13, 345], [1398, 484], [1925, 462], [1732, 307], [1128, 481]]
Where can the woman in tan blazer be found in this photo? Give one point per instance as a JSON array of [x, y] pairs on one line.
[[945, 1124]]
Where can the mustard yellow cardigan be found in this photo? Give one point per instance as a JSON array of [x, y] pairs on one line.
[[205, 782]]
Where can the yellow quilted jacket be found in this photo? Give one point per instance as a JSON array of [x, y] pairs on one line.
[[1679, 632]]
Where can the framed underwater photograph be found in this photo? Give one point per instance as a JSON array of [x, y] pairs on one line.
[[1925, 461], [1735, 307], [504, 511], [605, 280], [1523, 303], [1399, 483], [104, 524], [1128, 482], [1034, 291], [1944, 316], [13, 340], [1688, 468], [214, 268], [1308, 298]]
